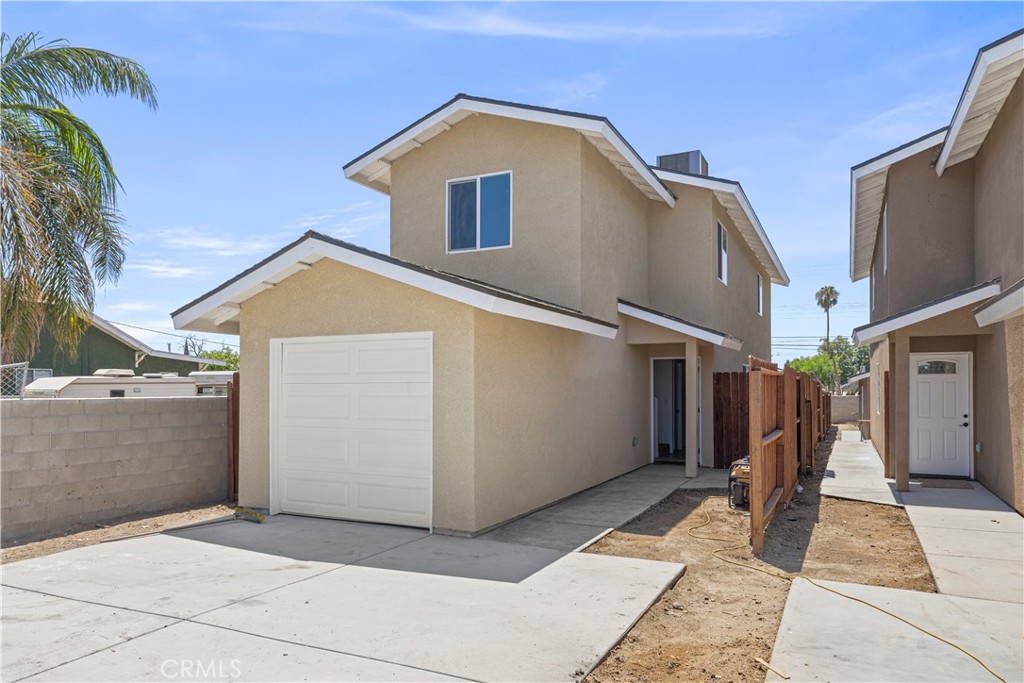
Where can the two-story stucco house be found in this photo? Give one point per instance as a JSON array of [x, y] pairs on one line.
[[549, 317], [938, 226]]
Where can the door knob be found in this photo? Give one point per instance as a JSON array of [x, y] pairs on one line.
[[964, 424]]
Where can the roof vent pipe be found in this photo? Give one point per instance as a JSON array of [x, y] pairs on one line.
[[692, 162]]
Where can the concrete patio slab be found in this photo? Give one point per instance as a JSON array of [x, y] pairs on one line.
[[826, 637], [42, 631], [161, 574], [189, 651], [472, 558], [708, 478], [855, 472], [546, 533], [973, 541], [556, 623]]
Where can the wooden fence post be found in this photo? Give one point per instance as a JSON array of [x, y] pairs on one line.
[[791, 473], [756, 432]]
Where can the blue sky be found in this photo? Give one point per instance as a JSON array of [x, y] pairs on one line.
[[262, 103]]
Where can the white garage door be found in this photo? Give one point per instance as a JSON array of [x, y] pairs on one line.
[[352, 427]]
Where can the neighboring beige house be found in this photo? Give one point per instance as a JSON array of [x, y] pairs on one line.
[[938, 226], [550, 317]]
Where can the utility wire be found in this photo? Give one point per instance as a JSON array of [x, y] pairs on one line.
[[172, 334]]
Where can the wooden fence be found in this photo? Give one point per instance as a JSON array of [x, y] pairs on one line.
[[789, 414], [731, 417], [233, 387]]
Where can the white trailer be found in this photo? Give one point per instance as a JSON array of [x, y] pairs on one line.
[[110, 387]]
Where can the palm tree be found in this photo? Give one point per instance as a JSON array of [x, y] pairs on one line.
[[62, 233], [827, 297]]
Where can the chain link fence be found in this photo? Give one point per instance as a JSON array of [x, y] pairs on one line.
[[13, 377]]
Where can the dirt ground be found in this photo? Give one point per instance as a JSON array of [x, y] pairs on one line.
[[718, 617], [131, 526]]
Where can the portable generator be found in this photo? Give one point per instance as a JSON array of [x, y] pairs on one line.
[[739, 483]]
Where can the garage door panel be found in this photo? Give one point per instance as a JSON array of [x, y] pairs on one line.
[[337, 362], [355, 450], [354, 428]]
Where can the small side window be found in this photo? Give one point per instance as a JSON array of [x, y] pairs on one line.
[[480, 212], [723, 254], [117, 393]]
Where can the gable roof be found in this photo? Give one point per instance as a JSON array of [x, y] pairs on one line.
[[730, 195], [872, 332], [218, 309], [996, 69], [1008, 304], [373, 168], [140, 348], [671, 322]]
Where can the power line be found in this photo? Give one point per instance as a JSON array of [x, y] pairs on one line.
[[172, 334]]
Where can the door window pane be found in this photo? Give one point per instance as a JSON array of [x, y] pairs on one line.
[[936, 367], [495, 211], [462, 215]]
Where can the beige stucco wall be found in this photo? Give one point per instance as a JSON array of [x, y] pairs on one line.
[[999, 411], [556, 412], [681, 252], [614, 237], [334, 299], [931, 233], [878, 365], [998, 202], [545, 258]]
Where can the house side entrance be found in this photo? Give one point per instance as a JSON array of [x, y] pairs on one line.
[[940, 414], [668, 410]]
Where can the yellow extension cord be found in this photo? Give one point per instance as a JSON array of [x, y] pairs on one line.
[[789, 577]]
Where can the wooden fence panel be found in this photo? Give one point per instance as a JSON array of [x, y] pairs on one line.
[[768, 473], [730, 417]]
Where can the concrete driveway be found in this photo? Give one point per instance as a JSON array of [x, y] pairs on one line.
[[310, 599]]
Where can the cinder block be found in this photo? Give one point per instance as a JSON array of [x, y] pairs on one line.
[[16, 426], [131, 437], [116, 422], [176, 419], [49, 424], [85, 489], [5, 410], [32, 495], [127, 468], [114, 453], [145, 420], [163, 405], [102, 439], [160, 434], [68, 474], [100, 406], [81, 456], [67, 406], [29, 479], [32, 443], [134, 406], [19, 462], [84, 423], [194, 418], [31, 407], [99, 470], [23, 514], [100, 506], [67, 441]]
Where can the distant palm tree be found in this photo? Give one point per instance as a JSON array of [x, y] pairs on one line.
[[827, 297], [62, 233]]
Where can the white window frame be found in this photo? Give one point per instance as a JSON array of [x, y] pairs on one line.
[[722, 247], [760, 295], [447, 212]]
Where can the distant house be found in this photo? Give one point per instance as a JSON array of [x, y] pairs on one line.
[[938, 226], [105, 346]]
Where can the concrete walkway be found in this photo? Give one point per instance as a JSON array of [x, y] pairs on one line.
[[300, 598], [974, 545], [827, 637], [855, 472]]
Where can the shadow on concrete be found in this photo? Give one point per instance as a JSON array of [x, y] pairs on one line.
[[377, 545]]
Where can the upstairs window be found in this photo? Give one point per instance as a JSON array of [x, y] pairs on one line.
[[480, 212], [760, 295], [723, 254]]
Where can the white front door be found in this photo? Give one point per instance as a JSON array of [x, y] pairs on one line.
[[940, 415], [352, 427]]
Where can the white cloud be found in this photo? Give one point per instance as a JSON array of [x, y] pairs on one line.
[[348, 222], [164, 270], [130, 307], [903, 122], [205, 240], [575, 92]]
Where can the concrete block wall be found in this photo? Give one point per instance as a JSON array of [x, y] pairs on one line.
[[845, 409], [71, 462]]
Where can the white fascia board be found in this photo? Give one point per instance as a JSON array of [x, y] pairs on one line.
[[128, 340], [722, 340], [312, 248], [1009, 306], [877, 332], [985, 59], [735, 189], [858, 378], [199, 360], [882, 163], [523, 114]]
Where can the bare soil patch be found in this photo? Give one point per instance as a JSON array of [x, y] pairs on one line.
[[719, 616], [134, 525]]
